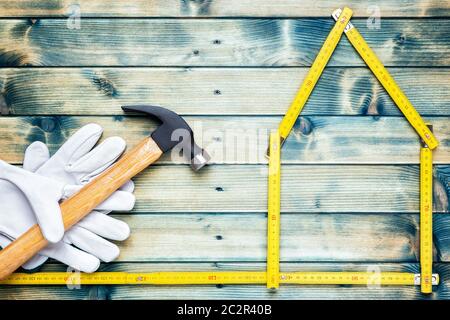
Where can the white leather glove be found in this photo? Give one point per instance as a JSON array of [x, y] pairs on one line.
[[73, 165], [25, 197]]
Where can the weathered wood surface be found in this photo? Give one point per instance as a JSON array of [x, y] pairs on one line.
[[360, 237], [243, 140], [237, 291], [216, 91], [350, 179], [306, 189], [219, 8], [223, 42], [312, 188]]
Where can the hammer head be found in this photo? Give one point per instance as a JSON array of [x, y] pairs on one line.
[[174, 131]]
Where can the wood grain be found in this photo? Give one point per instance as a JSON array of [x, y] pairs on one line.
[[243, 140], [236, 291], [218, 91], [350, 173], [220, 8], [307, 188], [206, 42], [359, 237]]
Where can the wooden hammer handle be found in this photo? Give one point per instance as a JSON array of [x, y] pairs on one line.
[[81, 204]]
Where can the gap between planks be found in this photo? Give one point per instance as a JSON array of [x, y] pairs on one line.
[[221, 8]]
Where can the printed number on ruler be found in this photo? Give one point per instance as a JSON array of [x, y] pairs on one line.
[[388, 83], [211, 277]]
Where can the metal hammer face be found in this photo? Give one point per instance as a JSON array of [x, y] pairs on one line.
[[174, 131]]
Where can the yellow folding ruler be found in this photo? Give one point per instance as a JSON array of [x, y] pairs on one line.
[[387, 82], [212, 278], [426, 217], [313, 75], [273, 212]]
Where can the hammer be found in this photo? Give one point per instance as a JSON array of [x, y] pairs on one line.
[[173, 131]]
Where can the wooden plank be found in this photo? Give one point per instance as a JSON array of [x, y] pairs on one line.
[[234, 140], [358, 237], [240, 91], [219, 8], [312, 188], [306, 189], [309, 188], [210, 42], [236, 291]]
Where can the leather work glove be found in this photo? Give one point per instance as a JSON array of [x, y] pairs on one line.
[[72, 166]]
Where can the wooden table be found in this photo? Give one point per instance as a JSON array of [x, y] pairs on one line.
[[350, 196]]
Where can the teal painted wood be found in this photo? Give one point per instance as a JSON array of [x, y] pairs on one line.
[[224, 42], [305, 189], [338, 237], [334, 213], [236, 291], [243, 140], [220, 8], [218, 91], [441, 188]]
